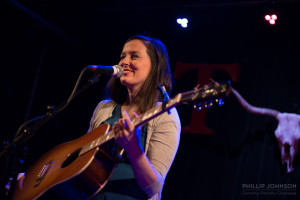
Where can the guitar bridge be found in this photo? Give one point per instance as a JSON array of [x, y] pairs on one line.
[[43, 173]]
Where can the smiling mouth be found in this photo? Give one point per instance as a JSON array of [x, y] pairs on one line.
[[127, 70]]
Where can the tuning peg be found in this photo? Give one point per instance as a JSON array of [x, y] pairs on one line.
[[198, 106], [197, 87]]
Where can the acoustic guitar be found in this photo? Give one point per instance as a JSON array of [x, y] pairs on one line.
[[79, 169]]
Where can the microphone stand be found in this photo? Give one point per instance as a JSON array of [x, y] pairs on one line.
[[16, 151]]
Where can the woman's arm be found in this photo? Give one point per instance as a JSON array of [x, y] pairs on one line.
[[128, 137], [150, 170]]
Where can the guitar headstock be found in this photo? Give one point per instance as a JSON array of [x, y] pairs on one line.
[[201, 97], [205, 96]]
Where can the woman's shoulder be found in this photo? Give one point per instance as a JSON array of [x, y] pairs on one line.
[[102, 112], [106, 103], [172, 115], [105, 106]]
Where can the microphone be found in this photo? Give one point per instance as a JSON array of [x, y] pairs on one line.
[[116, 70]]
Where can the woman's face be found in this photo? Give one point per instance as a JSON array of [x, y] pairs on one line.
[[136, 64]]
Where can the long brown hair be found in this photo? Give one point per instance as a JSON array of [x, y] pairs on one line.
[[160, 73]]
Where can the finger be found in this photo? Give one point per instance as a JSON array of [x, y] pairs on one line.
[[116, 126], [127, 121], [125, 114], [121, 124], [117, 129], [124, 123]]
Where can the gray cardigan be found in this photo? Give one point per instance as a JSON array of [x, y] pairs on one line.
[[163, 135]]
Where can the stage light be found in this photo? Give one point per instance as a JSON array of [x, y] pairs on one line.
[[183, 22], [267, 17], [271, 18], [272, 21], [184, 25], [274, 16], [271, 11]]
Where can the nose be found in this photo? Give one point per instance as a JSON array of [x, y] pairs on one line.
[[125, 61]]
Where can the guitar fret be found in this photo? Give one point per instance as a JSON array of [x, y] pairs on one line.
[[84, 149], [95, 143], [147, 116], [98, 141], [91, 145]]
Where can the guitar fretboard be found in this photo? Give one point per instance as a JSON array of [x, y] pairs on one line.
[[97, 142]]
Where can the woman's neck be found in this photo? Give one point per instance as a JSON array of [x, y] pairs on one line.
[[132, 97], [131, 103], [131, 108]]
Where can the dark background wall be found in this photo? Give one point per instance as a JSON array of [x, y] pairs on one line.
[[45, 45]]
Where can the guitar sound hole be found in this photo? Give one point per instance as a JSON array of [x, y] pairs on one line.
[[71, 158]]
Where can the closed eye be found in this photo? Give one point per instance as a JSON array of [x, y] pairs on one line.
[[134, 56]]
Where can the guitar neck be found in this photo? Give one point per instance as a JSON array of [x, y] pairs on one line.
[[97, 142], [156, 111], [208, 92]]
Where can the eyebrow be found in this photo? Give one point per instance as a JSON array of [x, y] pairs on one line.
[[131, 52]]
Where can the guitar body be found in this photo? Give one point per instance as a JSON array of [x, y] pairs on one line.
[[62, 172]]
